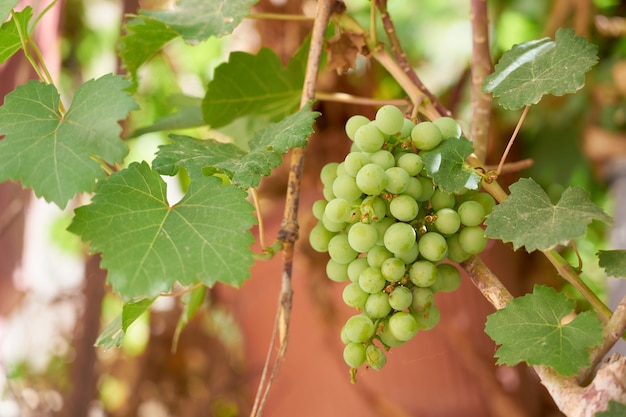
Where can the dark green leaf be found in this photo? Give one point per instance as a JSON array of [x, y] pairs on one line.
[[252, 84], [531, 329], [113, 334], [531, 69], [615, 410], [198, 20], [446, 165], [147, 245], [528, 218], [613, 262], [10, 41], [53, 152], [244, 168]]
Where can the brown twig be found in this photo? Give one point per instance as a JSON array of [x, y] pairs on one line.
[[511, 167], [513, 136], [288, 233], [481, 67], [367, 101]]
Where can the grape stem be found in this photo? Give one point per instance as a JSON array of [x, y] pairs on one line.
[[510, 144], [511, 167], [259, 215], [349, 98], [288, 233]]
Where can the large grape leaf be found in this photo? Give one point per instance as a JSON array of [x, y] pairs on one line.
[[10, 41], [143, 39], [532, 329], [615, 410], [245, 168], [531, 69], [198, 20], [613, 262], [528, 218], [5, 8], [113, 334], [53, 152], [147, 245], [254, 84], [446, 165]]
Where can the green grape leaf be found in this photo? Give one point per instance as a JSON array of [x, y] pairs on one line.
[[253, 84], [532, 329], [528, 218], [613, 262], [198, 20], [5, 9], [147, 245], [10, 41], [446, 165], [245, 168], [53, 152], [192, 301], [113, 334], [531, 69], [189, 115], [143, 39], [615, 410]]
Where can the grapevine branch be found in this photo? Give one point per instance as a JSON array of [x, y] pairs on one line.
[[288, 234]]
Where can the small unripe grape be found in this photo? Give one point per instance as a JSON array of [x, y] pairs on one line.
[[426, 136], [422, 299], [389, 119], [399, 237], [375, 357], [329, 173], [331, 225], [373, 209], [338, 210], [411, 162], [403, 326], [340, 250], [448, 221], [442, 199], [383, 159], [354, 296], [409, 256], [354, 354], [448, 278], [387, 337], [428, 188], [414, 189], [407, 127], [400, 298], [404, 208], [472, 240], [356, 267], [355, 161], [354, 123], [382, 227], [359, 328], [362, 237], [371, 179], [319, 237], [449, 127], [397, 180], [371, 280], [455, 252], [318, 208], [377, 255], [369, 138], [433, 246], [427, 319], [471, 213], [336, 271], [377, 305], [393, 269], [423, 273], [486, 200]]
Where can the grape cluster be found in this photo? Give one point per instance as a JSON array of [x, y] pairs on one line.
[[388, 229]]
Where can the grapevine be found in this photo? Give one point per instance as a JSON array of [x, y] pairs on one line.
[[388, 230]]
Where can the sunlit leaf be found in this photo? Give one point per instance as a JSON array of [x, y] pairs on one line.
[[10, 41]]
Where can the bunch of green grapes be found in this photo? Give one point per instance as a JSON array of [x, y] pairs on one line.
[[388, 230]]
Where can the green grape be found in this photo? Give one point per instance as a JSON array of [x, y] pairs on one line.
[[426, 136], [319, 237], [393, 269], [413, 189], [342, 335], [386, 337], [369, 138], [400, 298], [403, 326], [359, 328], [318, 208], [422, 299], [442, 199], [407, 127], [472, 240], [371, 179], [423, 273], [375, 357], [371, 280], [354, 296], [409, 256], [410, 162], [341, 168], [382, 226], [339, 249], [397, 180], [448, 278], [427, 319], [433, 246], [354, 354], [383, 159], [377, 305], [377, 255], [471, 213], [336, 271], [354, 123], [373, 208], [428, 188], [331, 225], [329, 173], [356, 267], [455, 251], [355, 161], [448, 221], [486, 201], [337, 210], [328, 193], [362, 237], [389, 119], [399, 237], [404, 208], [345, 187], [449, 127]]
